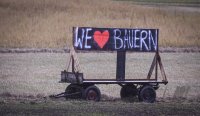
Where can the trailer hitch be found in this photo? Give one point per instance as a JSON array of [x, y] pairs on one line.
[[65, 94]]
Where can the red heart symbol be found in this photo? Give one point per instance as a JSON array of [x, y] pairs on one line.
[[101, 38]]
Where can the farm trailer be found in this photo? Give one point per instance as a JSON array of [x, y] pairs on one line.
[[114, 39]]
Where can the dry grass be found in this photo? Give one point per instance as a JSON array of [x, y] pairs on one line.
[[38, 74], [48, 23]]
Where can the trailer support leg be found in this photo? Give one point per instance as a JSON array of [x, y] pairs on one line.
[[121, 59]]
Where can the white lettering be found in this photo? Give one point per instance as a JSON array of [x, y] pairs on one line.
[[142, 38], [151, 38], [118, 44], [87, 37], [130, 42], [126, 39], [78, 41], [136, 38]]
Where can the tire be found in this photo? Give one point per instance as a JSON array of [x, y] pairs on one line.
[[147, 94], [128, 92], [92, 93], [73, 88]]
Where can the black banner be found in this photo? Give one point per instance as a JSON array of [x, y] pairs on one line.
[[88, 38]]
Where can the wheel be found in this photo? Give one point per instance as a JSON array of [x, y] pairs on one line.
[[74, 90], [128, 92], [147, 94], [92, 93]]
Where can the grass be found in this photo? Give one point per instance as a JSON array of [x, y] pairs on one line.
[[48, 23], [81, 108]]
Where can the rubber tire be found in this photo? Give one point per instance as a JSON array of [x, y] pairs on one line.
[[128, 91], [92, 93], [72, 88], [147, 94]]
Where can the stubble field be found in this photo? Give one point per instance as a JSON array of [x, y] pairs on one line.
[[48, 23], [30, 78]]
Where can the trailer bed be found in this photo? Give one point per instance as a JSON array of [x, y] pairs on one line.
[[114, 81]]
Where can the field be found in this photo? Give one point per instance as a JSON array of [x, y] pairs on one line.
[[48, 23], [26, 81], [39, 73], [81, 108], [169, 2]]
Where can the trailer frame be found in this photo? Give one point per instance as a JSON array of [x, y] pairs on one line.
[[83, 88]]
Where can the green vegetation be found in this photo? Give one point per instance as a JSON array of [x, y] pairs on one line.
[[82, 108]]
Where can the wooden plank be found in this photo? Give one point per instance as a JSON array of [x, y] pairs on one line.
[[156, 70], [162, 68], [114, 81], [115, 39], [151, 68]]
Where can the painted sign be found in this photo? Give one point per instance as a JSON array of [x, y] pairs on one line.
[[119, 39]]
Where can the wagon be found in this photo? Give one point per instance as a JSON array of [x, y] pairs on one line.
[[111, 39]]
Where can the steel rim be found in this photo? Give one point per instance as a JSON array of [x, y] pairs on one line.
[[92, 95], [148, 94]]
